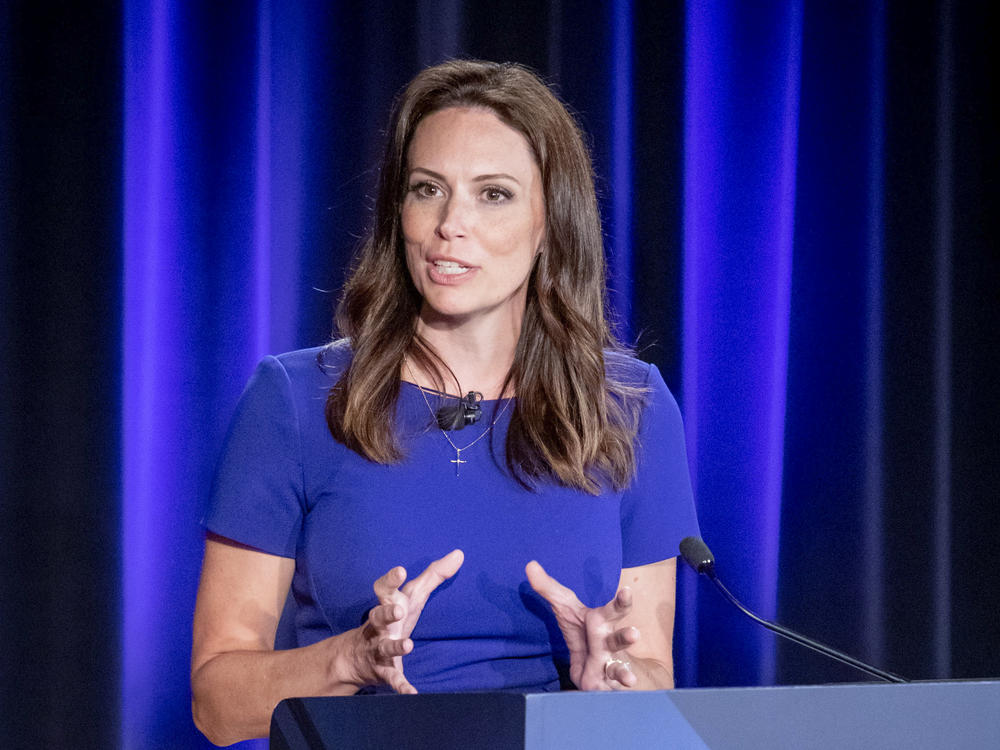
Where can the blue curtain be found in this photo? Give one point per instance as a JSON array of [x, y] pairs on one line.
[[740, 158], [798, 206]]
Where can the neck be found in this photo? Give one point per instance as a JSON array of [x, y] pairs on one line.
[[479, 354]]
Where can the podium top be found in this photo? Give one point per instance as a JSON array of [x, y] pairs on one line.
[[914, 715]]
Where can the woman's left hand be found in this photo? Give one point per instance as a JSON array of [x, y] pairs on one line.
[[597, 637]]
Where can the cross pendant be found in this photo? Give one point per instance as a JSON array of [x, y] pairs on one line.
[[458, 460]]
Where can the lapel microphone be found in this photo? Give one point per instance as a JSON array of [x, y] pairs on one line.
[[467, 411]]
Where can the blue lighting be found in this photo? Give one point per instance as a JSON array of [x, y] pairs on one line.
[[741, 100], [222, 167], [217, 108], [180, 355], [262, 185], [148, 222]]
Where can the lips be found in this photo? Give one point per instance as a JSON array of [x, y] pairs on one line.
[[448, 270]]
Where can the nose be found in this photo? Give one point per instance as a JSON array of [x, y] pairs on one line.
[[454, 219]]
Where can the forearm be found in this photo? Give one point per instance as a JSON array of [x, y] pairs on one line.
[[235, 692]]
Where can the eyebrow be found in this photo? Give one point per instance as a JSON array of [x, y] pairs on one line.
[[479, 178]]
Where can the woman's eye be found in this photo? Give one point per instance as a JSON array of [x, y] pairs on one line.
[[496, 194], [425, 190]]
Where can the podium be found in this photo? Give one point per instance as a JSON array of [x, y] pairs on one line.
[[953, 714]]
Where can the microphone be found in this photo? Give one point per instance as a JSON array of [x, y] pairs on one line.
[[466, 412], [697, 554]]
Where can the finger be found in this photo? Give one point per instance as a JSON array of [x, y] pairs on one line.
[[389, 583], [395, 679], [621, 639], [385, 615], [390, 648], [619, 606], [549, 588], [622, 602], [621, 672], [405, 688], [439, 571]]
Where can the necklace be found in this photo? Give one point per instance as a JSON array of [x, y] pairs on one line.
[[458, 460]]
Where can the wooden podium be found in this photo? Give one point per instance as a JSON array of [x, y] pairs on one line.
[[955, 714]]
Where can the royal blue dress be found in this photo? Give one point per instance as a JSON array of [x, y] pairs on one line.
[[286, 487]]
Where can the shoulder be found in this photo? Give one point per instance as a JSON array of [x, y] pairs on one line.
[[318, 363], [297, 375], [627, 370], [636, 379]]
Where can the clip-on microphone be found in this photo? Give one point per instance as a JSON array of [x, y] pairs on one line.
[[466, 412]]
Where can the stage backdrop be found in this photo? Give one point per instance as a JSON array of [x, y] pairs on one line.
[[799, 209]]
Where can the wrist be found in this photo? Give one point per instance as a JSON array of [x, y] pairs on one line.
[[341, 658]]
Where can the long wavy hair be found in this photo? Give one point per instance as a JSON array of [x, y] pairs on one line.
[[575, 418]]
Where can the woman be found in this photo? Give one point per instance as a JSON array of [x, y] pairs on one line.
[[542, 536]]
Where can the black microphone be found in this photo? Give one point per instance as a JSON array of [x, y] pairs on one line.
[[697, 554], [466, 412]]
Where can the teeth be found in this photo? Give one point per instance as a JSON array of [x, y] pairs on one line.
[[450, 267]]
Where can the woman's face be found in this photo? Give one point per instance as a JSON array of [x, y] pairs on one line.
[[473, 217]]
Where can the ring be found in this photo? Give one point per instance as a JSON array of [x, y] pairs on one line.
[[614, 660]]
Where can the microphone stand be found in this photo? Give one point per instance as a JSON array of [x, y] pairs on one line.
[[697, 555]]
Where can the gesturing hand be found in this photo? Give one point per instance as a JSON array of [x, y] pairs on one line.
[[385, 637], [594, 636]]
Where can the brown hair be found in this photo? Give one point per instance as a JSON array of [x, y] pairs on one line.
[[573, 420]]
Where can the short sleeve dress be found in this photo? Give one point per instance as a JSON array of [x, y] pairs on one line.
[[286, 487]]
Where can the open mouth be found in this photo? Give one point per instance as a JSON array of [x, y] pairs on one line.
[[449, 267]]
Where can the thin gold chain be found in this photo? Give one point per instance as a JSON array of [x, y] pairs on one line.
[[458, 451]]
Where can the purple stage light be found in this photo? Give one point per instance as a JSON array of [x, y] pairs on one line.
[[741, 123]]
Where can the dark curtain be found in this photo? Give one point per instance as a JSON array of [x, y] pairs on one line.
[[890, 451], [60, 295]]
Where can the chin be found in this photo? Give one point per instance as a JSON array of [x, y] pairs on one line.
[[452, 313], [448, 304], [458, 309]]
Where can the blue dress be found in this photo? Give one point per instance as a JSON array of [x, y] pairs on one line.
[[287, 487]]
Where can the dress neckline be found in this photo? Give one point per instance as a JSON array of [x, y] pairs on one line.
[[441, 394]]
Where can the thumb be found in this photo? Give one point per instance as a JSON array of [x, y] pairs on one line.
[[548, 587], [448, 565], [537, 577], [420, 588]]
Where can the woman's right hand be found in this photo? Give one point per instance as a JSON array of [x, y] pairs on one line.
[[237, 678], [378, 647]]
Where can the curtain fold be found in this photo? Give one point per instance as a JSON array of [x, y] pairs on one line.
[[834, 452], [741, 142]]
